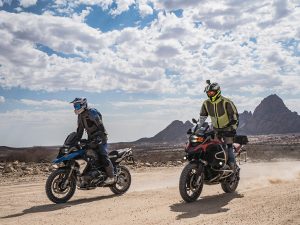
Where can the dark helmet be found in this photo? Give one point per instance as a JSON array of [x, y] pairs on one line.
[[212, 90], [80, 104]]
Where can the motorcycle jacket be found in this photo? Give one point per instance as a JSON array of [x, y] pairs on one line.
[[222, 112], [91, 121]]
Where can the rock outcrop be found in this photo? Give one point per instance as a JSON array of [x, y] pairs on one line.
[[271, 116], [173, 133]]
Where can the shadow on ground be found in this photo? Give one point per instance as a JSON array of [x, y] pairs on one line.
[[54, 207], [206, 205]]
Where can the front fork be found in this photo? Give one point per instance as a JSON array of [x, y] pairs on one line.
[[199, 172], [66, 181]]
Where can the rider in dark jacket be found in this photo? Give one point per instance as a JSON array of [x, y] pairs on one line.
[[90, 120]]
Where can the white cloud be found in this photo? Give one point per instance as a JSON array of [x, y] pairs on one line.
[[135, 60], [145, 9], [240, 45], [166, 51], [41, 127], [122, 6], [68, 6], [105, 71], [293, 104], [243, 103], [166, 102], [103, 3], [80, 17], [52, 127], [2, 99], [27, 3], [176, 4], [45, 103]]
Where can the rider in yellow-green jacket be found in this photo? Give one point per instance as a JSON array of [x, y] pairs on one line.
[[224, 117]]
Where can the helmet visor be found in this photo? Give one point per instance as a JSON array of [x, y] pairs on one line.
[[77, 106], [211, 93]]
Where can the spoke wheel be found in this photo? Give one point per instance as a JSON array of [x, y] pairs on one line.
[[123, 181], [190, 183], [230, 184], [58, 189]]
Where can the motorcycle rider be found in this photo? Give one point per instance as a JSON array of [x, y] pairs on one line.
[[224, 117], [90, 120]]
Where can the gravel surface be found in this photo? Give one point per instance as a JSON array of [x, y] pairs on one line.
[[269, 193]]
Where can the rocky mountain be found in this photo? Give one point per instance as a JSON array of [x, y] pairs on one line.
[[244, 118], [173, 133], [271, 116]]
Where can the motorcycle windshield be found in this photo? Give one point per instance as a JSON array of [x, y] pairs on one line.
[[71, 140]]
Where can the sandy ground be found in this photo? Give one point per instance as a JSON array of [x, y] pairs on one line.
[[269, 193]]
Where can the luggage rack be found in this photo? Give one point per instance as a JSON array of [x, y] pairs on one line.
[[241, 154]]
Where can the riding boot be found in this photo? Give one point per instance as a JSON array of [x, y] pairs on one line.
[[232, 166], [110, 174]]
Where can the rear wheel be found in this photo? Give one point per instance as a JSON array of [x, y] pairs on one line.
[[56, 189], [190, 182], [230, 184], [123, 181]]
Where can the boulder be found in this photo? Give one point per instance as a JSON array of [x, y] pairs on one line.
[[9, 168], [15, 163], [23, 167], [36, 171], [179, 163], [45, 169], [28, 169]]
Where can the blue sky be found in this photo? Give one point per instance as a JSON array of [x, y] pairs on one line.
[[142, 63]]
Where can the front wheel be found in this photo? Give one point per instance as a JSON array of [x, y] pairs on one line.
[[57, 190], [191, 182], [123, 181]]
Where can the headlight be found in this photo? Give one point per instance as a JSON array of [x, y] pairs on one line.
[[195, 138], [63, 150]]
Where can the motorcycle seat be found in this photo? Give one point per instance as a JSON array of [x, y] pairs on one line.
[[118, 153]]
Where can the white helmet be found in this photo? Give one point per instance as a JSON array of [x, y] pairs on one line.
[[80, 104]]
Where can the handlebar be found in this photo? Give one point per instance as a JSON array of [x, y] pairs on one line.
[[84, 141], [226, 133], [89, 143]]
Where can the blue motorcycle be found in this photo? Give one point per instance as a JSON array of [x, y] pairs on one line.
[[77, 163]]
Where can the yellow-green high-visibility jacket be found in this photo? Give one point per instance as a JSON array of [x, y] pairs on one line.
[[222, 112]]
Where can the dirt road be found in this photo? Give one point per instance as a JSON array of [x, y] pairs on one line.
[[269, 193]]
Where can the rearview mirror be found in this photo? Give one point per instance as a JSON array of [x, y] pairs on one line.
[[189, 131], [194, 120]]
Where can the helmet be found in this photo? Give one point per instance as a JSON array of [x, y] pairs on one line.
[[212, 90], [80, 104]]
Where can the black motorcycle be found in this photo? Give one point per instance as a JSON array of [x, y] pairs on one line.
[[207, 158], [76, 163]]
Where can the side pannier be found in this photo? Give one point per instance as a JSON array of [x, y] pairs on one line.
[[240, 139]]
